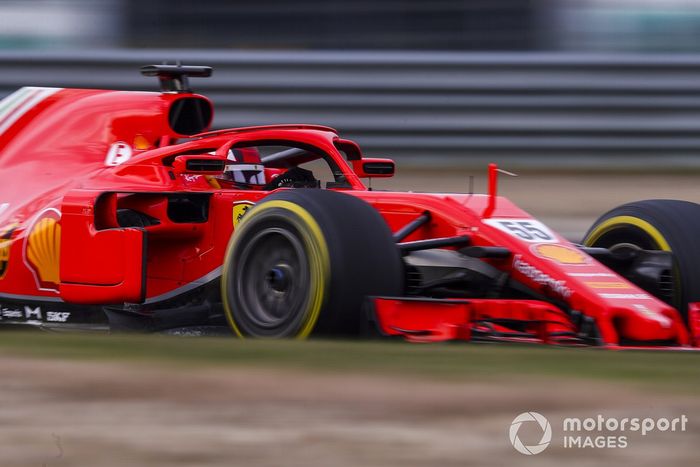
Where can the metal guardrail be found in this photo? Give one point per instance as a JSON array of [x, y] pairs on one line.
[[448, 108]]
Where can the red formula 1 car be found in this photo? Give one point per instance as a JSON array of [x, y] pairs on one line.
[[118, 212]]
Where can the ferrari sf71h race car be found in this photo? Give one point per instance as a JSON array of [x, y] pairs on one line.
[[119, 211]]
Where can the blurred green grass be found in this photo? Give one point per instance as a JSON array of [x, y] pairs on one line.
[[452, 361]]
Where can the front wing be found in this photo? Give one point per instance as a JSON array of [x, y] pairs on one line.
[[498, 320]]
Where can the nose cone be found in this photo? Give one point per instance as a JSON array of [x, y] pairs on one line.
[[646, 324]]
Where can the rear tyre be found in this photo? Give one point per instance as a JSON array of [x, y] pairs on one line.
[[667, 225], [302, 261]]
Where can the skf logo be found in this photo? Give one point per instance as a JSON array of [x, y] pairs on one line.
[[42, 250], [5, 244], [239, 210]]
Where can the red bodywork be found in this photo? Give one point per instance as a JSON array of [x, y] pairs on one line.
[[62, 244]]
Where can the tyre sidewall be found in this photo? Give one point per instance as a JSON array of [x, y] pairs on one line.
[[361, 257], [674, 226]]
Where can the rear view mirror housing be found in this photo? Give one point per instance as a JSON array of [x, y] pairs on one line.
[[374, 167], [200, 165]]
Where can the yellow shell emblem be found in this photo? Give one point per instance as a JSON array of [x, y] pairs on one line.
[[560, 253], [239, 210], [44, 251]]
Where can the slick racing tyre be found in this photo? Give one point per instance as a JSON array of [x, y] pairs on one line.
[[667, 225], [302, 261]]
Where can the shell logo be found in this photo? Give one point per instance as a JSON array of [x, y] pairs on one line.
[[560, 253], [43, 249]]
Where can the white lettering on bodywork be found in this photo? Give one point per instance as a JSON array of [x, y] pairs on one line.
[[534, 274], [57, 316], [9, 313], [32, 312]]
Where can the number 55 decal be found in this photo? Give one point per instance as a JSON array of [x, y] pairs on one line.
[[528, 230]]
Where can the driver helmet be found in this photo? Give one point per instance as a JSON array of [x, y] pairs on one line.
[[244, 167]]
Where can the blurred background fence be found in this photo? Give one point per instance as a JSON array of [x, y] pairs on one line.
[[446, 108], [528, 83]]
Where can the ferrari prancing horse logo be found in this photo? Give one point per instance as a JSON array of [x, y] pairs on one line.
[[239, 210]]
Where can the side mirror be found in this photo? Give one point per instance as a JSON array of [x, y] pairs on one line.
[[374, 168], [200, 165]]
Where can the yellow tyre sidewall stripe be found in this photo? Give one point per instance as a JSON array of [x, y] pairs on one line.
[[617, 221], [318, 257]]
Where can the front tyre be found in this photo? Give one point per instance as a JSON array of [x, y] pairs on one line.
[[302, 261], [667, 225]]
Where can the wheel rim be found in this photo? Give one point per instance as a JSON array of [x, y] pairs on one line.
[[272, 281]]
